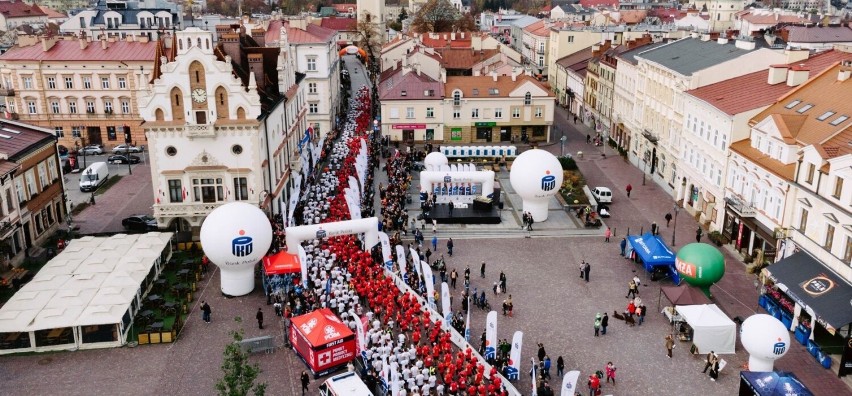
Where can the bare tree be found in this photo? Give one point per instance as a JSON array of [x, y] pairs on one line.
[[369, 36], [435, 16]]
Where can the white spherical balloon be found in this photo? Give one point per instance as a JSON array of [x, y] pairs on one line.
[[766, 340], [435, 159], [536, 176], [235, 236]]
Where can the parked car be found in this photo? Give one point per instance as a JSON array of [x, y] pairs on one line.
[[602, 194], [92, 149], [124, 148], [123, 159], [139, 223]]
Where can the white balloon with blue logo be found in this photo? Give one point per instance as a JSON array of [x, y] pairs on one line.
[[235, 236], [536, 176], [766, 340]]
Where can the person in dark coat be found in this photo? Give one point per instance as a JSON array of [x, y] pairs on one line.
[[541, 352], [259, 318], [560, 366], [604, 323], [306, 380]]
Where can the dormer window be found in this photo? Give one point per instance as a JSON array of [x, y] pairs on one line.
[[839, 120], [804, 108], [403, 93], [793, 104], [493, 91], [825, 115], [527, 99], [456, 98], [476, 91]]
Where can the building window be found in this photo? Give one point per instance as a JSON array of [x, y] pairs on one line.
[[87, 82], [409, 112], [111, 135], [58, 132], [122, 82], [31, 107], [75, 131], [456, 114], [208, 190], [829, 237], [474, 113], [312, 88], [90, 107], [498, 113], [803, 221], [570, 39], [72, 106], [847, 250], [105, 82], [19, 189], [811, 171], [54, 107], [28, 82], [125, 107], [240, 189], [539, 112], [175, 191], [430, 112], [838, 187], [457, 98], [527, 99], [516, 112], [69, 83], [29, 177], [43, 181], [312, 63], [108, 106], [51, 168], [51, 83], [313, 108]]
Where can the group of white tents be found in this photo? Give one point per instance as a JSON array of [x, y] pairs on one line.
[[86, 296]]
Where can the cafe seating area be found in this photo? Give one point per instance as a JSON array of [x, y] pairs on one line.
[[166, 306]]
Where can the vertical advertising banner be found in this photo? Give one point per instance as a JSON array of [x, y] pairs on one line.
[[491, 335]]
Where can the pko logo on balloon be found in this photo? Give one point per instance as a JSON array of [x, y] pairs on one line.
[[548, 182], [242, 245], [779, 348]]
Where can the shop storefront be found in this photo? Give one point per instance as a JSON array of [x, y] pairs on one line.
[[493, 132], [812, 302], [747, 234], [413, 132]]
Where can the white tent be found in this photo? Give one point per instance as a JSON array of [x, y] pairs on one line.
[[714, 331]]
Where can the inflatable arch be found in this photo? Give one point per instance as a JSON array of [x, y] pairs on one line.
[[368, 226]]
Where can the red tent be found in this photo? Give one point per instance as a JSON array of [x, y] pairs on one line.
[[322, 341], [281, 263]]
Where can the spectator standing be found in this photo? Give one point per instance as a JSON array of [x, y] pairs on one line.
[[306, 380], [259, 317], [560, 366], [604, 323], [669, 345], [607, 234], [610, 372], [482, 270], [629, 188], [668, 219], [205, 312]]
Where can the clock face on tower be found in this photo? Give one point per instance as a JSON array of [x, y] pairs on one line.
[[199, 95]]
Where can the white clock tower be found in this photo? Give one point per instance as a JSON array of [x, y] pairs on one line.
[[374, 12]]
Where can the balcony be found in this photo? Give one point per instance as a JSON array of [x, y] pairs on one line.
[[7, 229], [185, 209], [7, 92], [740, 207], [203, 130]]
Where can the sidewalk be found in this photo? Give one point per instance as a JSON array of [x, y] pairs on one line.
[[736, 294]]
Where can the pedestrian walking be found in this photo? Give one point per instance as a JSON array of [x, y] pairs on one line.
[[205, 312], [698, 233], [669, 345], [632, 289], [482, 270], [453, 276], [503, 288], [631, 308], [668, 219], [450, 246], [509, 305], [505, 307], [604, 323], [575, 118], [435, 243], [451, 206], [640, 313], [541, 352], [530, 221], [428, 254], [586, 268], [306, 380], [714, 371], [560, 366], [629, 188], [655, 230], [259, 318], [545, 368], [588, 138], [610, 372], [598, 320], [623, 245], [594, 385], [607, 234], [709, 361]]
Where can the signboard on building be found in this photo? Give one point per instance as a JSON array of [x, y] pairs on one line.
[[456, 134], [409, 126]]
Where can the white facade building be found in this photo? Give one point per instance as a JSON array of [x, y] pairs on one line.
[[119, 20]]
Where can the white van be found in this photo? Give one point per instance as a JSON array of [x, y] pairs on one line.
[[346, 384], [93, 176], [602, 194]]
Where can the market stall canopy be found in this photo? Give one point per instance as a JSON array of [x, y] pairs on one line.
[[281, 263], [684, 295], [811, 284], [775, 383], [654, 253], [714, 331]]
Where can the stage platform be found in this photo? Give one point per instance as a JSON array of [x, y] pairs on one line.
[[467, 215]]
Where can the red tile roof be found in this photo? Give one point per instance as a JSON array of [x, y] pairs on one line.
[[19, 9], [445, 40], [839, 144], [415, 88], [762, 18], [538, 29], [344, 7], [51, 13], [598, 3], [483, 84], [817, 34], [68, 50], [338, 24], [21, 139], [311, 34], [752, 91], [463, 58]]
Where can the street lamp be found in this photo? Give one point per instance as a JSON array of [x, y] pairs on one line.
[[674, 230], [562, 143]]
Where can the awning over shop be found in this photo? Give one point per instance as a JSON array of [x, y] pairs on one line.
[[811, 284]]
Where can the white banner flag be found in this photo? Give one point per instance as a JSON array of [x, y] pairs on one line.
[[395, 383], [386, 250], [446, 308], [569, 383], [400, 256], [514, 368], [430, 285], [467, 321], [533, 377], [415, 259], [303, 262], [491, 335], [360, 334]]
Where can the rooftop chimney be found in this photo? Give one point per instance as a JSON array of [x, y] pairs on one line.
[[83, 43], [745, 44], [797, 75], [777, 74], [705, 37], [230, 45], [104, 43], [300, 24], [255, 62], [845, 71], [443, 75], [722, 40], [794, 55], [47, 42], [259, 36], [494, 75]]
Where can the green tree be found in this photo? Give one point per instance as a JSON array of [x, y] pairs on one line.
[[402, 15], [238, 374], [435, 16]]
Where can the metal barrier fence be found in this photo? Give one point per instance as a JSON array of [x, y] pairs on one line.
[[258, 344]]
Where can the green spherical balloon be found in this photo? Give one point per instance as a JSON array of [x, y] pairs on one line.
[[700, 264]]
